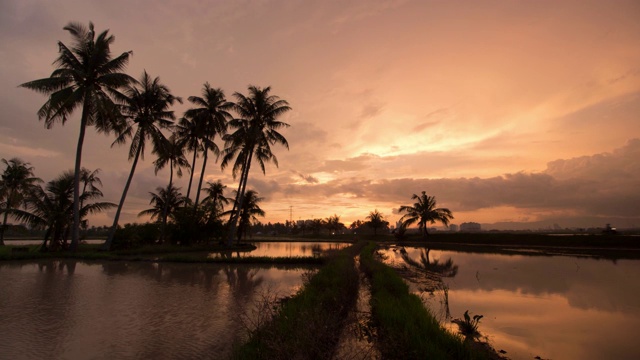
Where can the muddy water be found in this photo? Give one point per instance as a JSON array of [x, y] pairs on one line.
[[130, 310], [552, 307]]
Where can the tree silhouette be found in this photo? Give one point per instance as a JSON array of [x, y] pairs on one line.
[[376, 221], [424, 210], [256, 130], [86, 76], [15, 184], [212, 114], [145, 105]]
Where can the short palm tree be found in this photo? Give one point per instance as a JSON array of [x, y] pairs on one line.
[[215, 199], [256, 129], [250, 209], [376, 221], [424, 210], [171, 152], [212, 113], [86, 76], [145, 105], [51, 208], [165, 203], [16, 182]]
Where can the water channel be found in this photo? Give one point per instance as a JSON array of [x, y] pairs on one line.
[[71, 309], [554, 307]]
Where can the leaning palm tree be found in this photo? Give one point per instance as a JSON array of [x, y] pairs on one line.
[[86, 76], [146, 108], [165, 203], [256, 130], [424, 210], [15, 183], [212, 112], [215, 199], [51, 208]]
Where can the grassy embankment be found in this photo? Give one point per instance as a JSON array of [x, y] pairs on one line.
[[307, 326], [405, 328]]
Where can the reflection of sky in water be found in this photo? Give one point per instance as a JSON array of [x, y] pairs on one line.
[[554, 307], [108, 310], [288, 249]]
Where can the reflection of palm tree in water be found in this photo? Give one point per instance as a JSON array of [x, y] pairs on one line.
[[429, 274], [433, 269]]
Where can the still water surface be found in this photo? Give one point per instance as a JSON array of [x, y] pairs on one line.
[[68, 309], [552, 307]]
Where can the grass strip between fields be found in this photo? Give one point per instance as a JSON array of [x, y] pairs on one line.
[[405, 327], [308, 325]]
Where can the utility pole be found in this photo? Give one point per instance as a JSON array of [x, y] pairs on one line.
[[291, 214]]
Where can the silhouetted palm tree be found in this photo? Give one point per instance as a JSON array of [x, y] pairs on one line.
[[212, 113], [424, 210], [333, 224], [171, 152], [215, 199], [86, 76], [256, 130], [376, 220], [188, 132], [146, 108], [16, 182], [250, 209], [165, 203], [51, 208]]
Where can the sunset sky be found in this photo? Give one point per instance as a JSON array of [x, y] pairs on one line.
[[507, 112]]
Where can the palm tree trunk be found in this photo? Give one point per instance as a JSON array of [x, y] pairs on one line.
[[75, 233], [239, 198], [204, 165], [4, 224], [193, 166], [166, 204], [109, 242]]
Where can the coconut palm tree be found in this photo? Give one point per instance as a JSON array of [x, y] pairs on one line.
[[86, 76], [250, 209], [16, 182], [212, 112], [188, 132], [51, 208], [215, 199], [376, 220], [170, 151], [165, 202], [146, 107], [256, 130], [424, 210]]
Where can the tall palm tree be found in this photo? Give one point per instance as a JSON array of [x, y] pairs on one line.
[[146, 108], [256, 130], [424, 210], [165, 202], [86, 76], [212, 112], [250, 209], [51, 208], [215, 199], [16, 182], [188, 133], [376, 220], [170, 152]]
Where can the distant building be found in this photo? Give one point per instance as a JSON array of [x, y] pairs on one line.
[[453, 227], [470, 227]]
